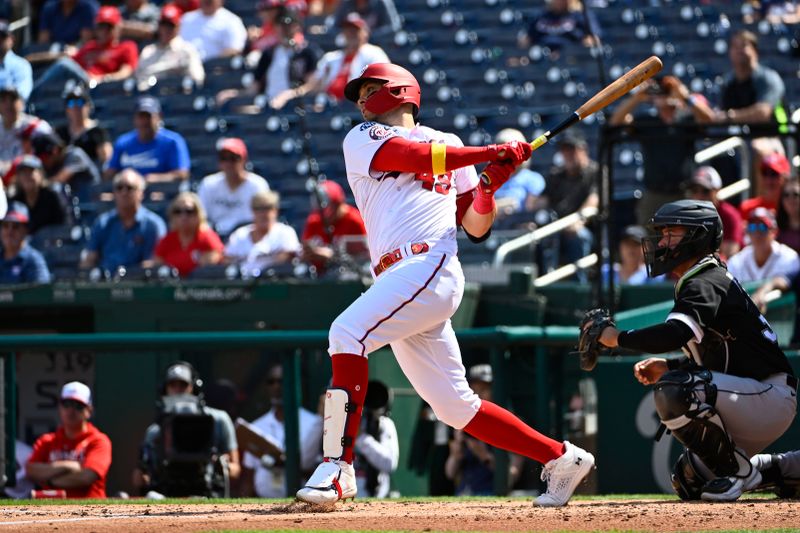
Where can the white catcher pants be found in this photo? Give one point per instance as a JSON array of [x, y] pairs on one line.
[[409, 307]]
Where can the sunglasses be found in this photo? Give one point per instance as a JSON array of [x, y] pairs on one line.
[[770, 174], [274, 381], [186, 211], [72, 404], [760, 227], [15, 226], [75, 102], [124, 187], [229, 158], [263, 207], [791, 194]]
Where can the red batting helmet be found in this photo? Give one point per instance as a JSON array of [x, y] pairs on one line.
[[400, 87]]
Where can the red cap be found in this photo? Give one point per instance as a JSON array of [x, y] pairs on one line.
[[334, 191], [762, 214], [108, 15], [354, 19], [776, 163], [171, 14], [233, 145]]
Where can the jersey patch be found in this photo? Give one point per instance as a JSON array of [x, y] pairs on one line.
[[379, 132]]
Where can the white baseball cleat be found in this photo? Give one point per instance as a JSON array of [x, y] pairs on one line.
[[729, 489], [332, 481], [563, 474]]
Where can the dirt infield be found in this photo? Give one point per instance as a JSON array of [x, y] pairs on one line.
[[471, 515]]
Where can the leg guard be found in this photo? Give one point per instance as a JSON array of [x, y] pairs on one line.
[[693, 419], [337, 410], [687, 478]]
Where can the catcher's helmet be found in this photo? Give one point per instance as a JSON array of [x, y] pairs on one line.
[[703, 235], [400, 87]]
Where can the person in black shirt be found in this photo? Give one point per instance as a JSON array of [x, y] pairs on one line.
[[81, 130], [66, 165], [45, 206], [735, 392]]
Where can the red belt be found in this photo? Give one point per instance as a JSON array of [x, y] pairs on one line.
[[395, 256]]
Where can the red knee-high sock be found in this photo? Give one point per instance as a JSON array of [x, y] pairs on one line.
[[496, 426], [351, 373]]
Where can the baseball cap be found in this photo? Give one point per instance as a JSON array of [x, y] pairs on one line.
[[108, 15], [171, 14], [334, 191], [572, 138], [29, 161], [233, 145], [776, 163], [5, 29], [355, 20], [17, 212], [44, 142], [75, 390], [706, 177], [179, 372], [148, 104], [261, 5], [634, 233], [509, 134], [480, 373], [9, 88], [762, 214]]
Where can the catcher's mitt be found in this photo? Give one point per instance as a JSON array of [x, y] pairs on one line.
[[592, 325]]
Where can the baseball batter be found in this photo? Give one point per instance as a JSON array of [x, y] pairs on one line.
[[735, 392], [414, 186]]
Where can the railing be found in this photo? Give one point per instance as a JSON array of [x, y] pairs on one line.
[[497, 340]]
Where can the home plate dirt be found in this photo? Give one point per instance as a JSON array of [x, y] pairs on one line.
[[472, 515]]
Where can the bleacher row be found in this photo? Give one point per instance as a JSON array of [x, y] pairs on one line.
[[460, 51]]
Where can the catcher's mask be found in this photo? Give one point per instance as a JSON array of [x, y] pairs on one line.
[[703, 235]]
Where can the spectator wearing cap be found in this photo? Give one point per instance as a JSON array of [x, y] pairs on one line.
[[65, 165], [214, 30], [266, 242], [329, 224], [170, 55], [153, 151], [668, 154], [288, 63], [21, 262], [67, 21], [631, 270], [15, 71], [338, 67], [45, 206], [520, 192], [266, 36], [126, 235], [560, 24], [181, 379], [789, 215], [704, 184], [16, 127], [103, 59], [775, 170], [74, 458], [764, 258], [139, 19], [184, 6], [569, 187], [81, 129], [380, 15], [226, 195], [190, 243]]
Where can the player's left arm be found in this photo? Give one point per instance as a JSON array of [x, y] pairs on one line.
[[479, 217]]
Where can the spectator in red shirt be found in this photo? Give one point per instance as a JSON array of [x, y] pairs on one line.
[[704, 184], [326, 225], [74, 458], [103, 59], [190, 242], [775, 170]]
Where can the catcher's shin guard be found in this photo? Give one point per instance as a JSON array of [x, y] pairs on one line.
[[687, 477]]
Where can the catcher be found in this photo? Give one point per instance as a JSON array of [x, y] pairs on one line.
[[734, 393]]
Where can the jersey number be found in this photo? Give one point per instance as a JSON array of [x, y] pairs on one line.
[[441, 183], [767, 331]]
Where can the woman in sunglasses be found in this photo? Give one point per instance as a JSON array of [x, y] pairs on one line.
[[789, 215], [81, 129], [190, 242]]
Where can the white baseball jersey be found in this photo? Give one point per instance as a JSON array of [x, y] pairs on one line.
[[402, 208]]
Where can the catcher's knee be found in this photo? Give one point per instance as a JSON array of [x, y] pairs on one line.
[[675, 394]]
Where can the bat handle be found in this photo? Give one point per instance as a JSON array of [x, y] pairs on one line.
[[540, 141]]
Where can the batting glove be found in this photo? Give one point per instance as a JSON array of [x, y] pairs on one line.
[[513, 152]]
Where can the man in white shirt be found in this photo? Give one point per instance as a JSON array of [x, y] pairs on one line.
[[764, 257], [170, 54], [213, 30], [226, 195], [264, 477], [336, 68]]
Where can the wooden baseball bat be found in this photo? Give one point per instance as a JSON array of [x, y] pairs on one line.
[[622, 85]]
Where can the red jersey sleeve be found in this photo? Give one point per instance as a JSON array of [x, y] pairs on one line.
[[463, 201], [98, 455], [41, 449]]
